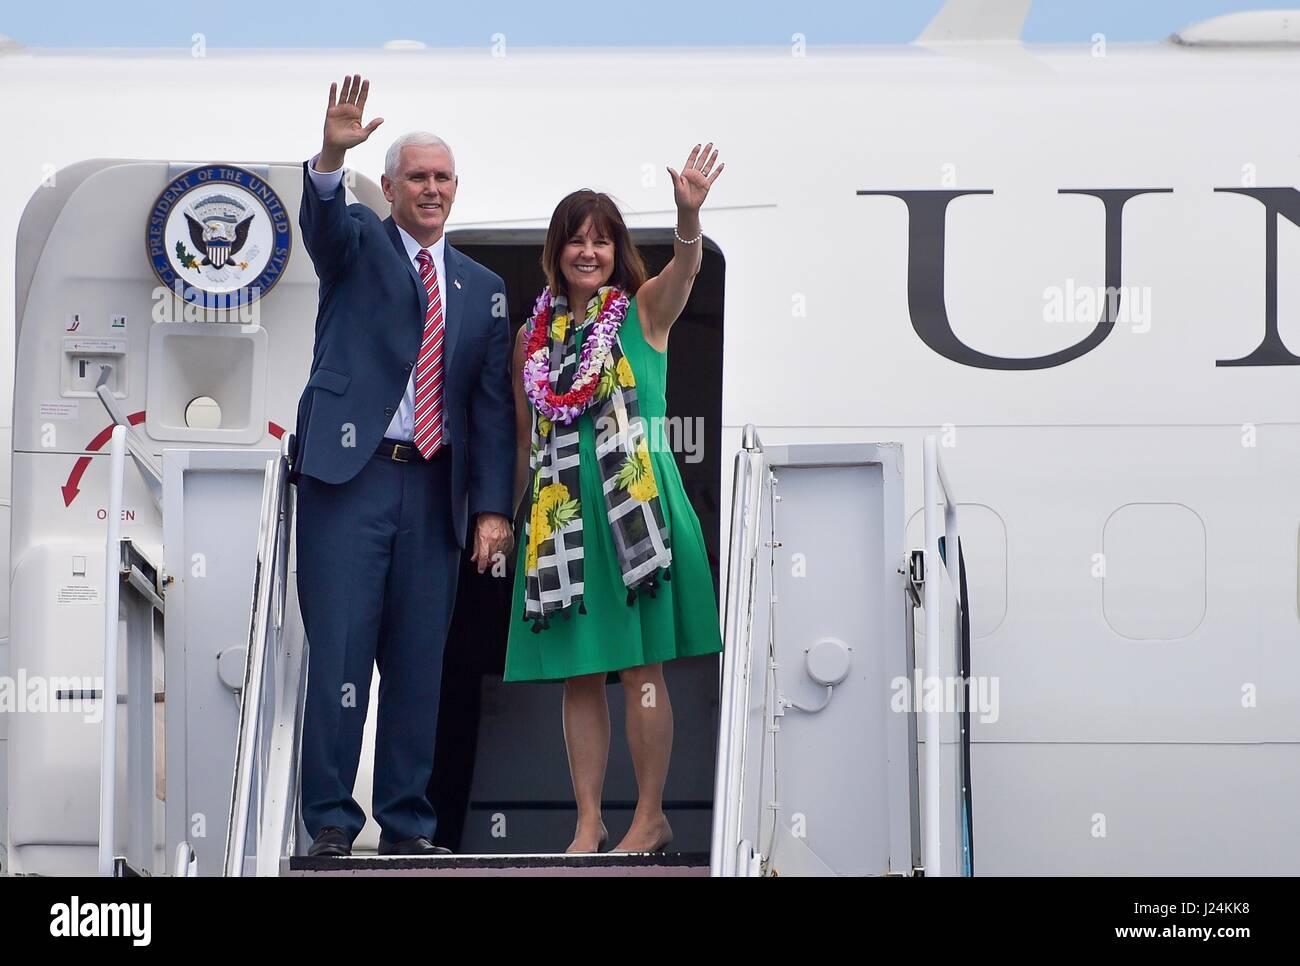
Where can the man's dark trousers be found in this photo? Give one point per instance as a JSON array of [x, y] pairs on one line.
[[377, 573]]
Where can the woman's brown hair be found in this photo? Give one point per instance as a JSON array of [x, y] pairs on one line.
[[629, 269]]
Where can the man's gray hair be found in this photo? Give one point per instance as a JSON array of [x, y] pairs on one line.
[[414, 139]]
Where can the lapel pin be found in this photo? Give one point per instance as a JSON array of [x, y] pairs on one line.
[[456, 282]]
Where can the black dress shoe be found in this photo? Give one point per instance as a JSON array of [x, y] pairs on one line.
[[331, 840], [416, 846]]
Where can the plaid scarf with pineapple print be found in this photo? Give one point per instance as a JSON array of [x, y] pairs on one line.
[[553, 532]]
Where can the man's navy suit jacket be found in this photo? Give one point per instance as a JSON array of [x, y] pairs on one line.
[[368, 331]]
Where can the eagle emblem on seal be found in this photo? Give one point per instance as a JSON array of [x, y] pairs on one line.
[[218, 227]]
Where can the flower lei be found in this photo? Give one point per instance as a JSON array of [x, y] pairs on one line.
[[595, 354]]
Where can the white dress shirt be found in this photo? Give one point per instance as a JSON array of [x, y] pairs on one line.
[[402, 425]]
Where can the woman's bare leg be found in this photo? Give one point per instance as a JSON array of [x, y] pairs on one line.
[[586, 737], [650, 740]]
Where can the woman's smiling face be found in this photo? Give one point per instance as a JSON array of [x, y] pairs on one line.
[[587, 263]]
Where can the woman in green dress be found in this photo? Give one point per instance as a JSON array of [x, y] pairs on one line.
[[612, 573]]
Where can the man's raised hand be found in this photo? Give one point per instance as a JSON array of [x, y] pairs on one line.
[[343, 127]]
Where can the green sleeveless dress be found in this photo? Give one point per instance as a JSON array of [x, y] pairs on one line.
[[681, 620]]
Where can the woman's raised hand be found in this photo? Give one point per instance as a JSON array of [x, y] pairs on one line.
[[691, 187], [343, 127]]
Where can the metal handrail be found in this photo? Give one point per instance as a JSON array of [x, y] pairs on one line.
[[936, 490], [282, 735], [266, 622], [187, 863], [127, 571], [149, 469], [737, 657], [112, 583]]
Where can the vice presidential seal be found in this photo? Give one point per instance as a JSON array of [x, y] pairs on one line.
[[218, 236]]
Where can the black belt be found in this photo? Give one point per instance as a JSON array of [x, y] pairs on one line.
[[400, 452]]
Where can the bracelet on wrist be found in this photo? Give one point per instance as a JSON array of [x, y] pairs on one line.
[[687, 241]]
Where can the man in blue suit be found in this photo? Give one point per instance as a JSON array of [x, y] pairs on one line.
[[405, 433]]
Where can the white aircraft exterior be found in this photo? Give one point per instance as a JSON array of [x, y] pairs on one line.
[[917, 239]]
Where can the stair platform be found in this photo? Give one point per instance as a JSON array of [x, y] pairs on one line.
[[602, 864]]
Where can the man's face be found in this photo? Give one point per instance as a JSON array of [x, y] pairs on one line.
[[422, 192]]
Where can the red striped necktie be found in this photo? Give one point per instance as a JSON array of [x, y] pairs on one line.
[[428, 368]]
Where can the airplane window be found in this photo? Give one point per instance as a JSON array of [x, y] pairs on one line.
[[1154, 587]]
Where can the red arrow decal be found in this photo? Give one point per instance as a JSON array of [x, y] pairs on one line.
[[70, 489]]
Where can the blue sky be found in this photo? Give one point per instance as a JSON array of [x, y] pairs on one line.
[[334, 23]]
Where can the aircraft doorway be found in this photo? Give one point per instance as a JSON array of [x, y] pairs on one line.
[[501, 779]]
